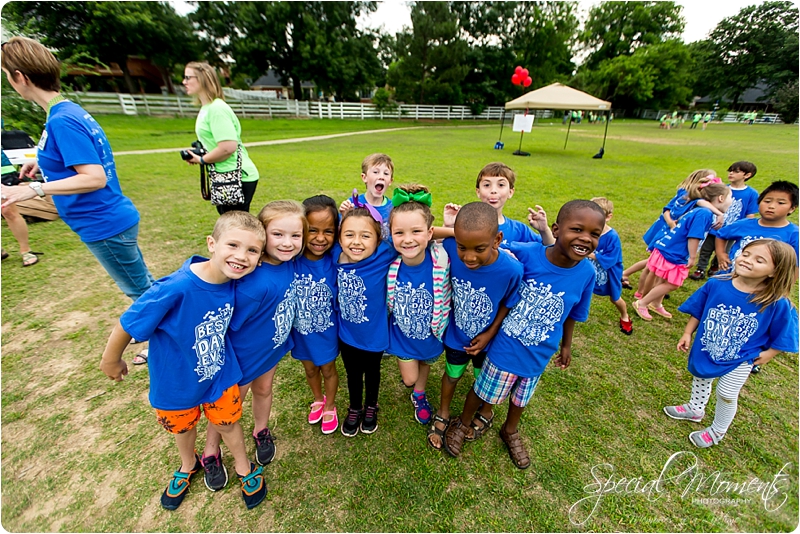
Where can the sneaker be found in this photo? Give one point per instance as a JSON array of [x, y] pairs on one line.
[[422, 410], [704, 438], [351, 424], [683, 412], [179, 486], [755, 370], [315, 415], [329, 427], [699, 274], [265, 447], [712, 272], [254, 488], [626, 327], [370, 422], [215, 476]]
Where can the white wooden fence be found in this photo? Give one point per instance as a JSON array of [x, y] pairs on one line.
[[181, 106]]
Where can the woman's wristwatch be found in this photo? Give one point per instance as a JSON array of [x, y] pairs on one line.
[[36, 186]]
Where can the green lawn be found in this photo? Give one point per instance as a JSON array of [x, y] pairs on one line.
[[80, 453]]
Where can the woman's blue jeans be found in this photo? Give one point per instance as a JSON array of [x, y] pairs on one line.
[[121, 257]]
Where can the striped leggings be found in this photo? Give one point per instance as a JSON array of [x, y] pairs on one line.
[[728, 387]]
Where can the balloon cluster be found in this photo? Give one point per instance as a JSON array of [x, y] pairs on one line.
[[520, 77]]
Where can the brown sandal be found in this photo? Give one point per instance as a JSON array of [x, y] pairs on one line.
[[479, 426], [454, 437], [515, 449], [436, 431]]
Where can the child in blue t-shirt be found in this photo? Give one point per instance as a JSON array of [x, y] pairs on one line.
[[775, 204], [744, 205], [741, 319], [607, 263], [556, 292], [485, 284], [377, 172], [676, 252], [362, 261], [260, 326], [185, 316], [418, 293], [315, 333]]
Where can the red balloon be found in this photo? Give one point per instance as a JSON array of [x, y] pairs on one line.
[[524, 74], [518, 70], [527, 81], [515, 79]]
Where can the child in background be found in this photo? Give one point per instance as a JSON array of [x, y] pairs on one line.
[[676, 252], [362, 261], [495, 186], [315, 333], [377, 172], [418, 293], [485, 284], [607, 263], [555, 293], [260, 326], [185, 316], [744, 205], [741, 319]]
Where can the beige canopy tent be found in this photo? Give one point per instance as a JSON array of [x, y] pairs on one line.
[[558, 96]]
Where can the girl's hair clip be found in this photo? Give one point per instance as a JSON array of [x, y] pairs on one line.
[[367, 206], [712, 180]]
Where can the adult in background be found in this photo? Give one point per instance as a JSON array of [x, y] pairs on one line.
[[77, 164], [16, 223], [218, 129]]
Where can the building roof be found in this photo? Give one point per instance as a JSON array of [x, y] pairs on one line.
[[271, 80], [754, 95]]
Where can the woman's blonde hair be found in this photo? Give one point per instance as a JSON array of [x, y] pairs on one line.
[[208, 80], [413, 205], [780, 284]]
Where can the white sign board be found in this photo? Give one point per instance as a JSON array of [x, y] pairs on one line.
[[523, 123]]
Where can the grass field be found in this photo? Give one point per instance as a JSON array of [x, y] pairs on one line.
[[80, 453]]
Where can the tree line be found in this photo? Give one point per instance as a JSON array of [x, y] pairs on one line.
[[453, 53]]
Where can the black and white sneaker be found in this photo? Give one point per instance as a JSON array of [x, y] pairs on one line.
[[215, 476], [265, 447], [370, 422], [351, 423]]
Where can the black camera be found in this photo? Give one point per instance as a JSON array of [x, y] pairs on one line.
[[197, 148]]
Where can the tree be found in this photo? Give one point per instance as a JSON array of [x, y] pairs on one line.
[[618, 28], [786, 102], [759, 43]]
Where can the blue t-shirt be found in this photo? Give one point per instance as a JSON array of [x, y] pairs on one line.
[[694, 225], [191, 361], [517, 232], [608, 265], [732, 330], [72, 137], [532, 330], [261, 324], [363, 317], [678, 206], [478, 294], [744, 203], [315, 332], [747, 230], [410, 334]]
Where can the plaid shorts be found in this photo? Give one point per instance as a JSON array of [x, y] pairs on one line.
[[493, 386]]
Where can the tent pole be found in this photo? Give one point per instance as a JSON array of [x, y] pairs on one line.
[[502, 122], [608, 116], [569, 124]]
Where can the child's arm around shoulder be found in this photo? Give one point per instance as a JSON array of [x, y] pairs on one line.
[[112, 363], [703, 203]]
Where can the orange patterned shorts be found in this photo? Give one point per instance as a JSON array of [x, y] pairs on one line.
[[224, 411]]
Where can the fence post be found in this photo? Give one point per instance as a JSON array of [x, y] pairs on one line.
[[362, 111], [341, 110], [296, 108], [319, 108], [269, 108], [241, 105], [146, 105], [180, 108], [448, 112], [416, 112]]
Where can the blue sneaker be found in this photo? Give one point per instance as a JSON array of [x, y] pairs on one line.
[[254, 488], [179, 486], [422, 410]]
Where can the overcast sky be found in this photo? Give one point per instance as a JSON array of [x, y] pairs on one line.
[[701, 16]]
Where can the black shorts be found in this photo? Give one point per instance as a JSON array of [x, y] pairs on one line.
[[459, 357]]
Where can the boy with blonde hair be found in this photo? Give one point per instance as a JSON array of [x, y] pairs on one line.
[[377, 172], [185, 316]]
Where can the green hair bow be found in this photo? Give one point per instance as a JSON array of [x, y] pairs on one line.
[[401, 197]]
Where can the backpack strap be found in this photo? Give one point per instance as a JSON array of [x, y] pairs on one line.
[[391, 282], [442, 290]]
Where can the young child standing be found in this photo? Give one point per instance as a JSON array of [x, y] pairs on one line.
[[607, 263], [315, 333], [555, 293], [377, 172], [362, 261], [485, 286], [741, 319], [743, 205], [418, 293], [495, 186], [260, 326], [676, 252], [185, 316]]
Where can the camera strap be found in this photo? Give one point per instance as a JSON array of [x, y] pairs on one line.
[[205, 187]]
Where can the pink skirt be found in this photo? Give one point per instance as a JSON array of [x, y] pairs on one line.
[[674, 274]]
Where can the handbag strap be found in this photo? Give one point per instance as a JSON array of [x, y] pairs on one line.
[[212, 168]]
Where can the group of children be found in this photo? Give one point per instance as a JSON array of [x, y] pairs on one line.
[[375, 277]]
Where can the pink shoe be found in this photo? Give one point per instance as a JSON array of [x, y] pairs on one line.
[[315, 415], [641, 311], [660, 311], [329, 427]]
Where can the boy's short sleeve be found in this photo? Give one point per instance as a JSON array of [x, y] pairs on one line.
[[580, 312], [696, 303], [751, 205], [731, 231], [512, 296], [611, 255], [147, 313]]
